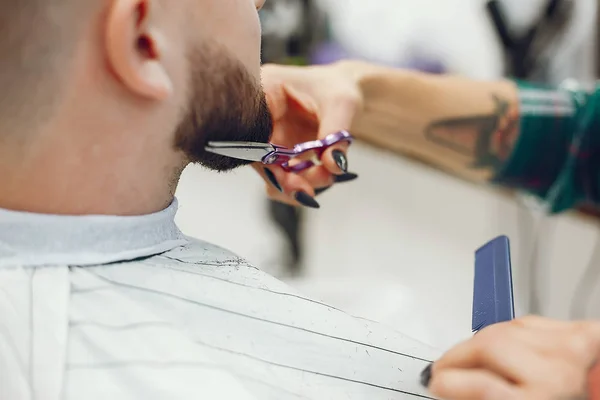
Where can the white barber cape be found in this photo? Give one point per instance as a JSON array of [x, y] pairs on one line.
[[114, 308]]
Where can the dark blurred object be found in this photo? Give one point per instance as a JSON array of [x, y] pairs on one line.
[[292, 29], [289, 220], [598, 42], [525, 54]]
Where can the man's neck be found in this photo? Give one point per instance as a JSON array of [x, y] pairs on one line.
[[89, 182], [46, 197]]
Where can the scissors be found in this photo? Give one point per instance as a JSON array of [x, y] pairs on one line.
[[272, 154]]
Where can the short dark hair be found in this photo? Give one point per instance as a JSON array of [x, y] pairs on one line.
[[36, 41]]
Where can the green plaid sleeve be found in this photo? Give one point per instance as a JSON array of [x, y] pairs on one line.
[[556, 156]]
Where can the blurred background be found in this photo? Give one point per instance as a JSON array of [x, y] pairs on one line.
[[397, 245]]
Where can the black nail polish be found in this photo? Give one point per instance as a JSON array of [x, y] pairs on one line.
[[345, 178], [322, 190], [340, 159], [271, 177], [426, 376], [306, 200]]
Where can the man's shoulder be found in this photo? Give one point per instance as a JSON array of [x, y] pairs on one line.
[[208, 260], [197, 251]]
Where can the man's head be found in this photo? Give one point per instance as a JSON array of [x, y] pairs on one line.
[[150, 81]]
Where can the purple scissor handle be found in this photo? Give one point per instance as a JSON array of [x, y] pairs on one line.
[[282, 156], [271, 154]]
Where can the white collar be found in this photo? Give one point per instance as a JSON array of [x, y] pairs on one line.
[[28, 239]]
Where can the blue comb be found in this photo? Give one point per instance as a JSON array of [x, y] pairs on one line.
[[493, 300]]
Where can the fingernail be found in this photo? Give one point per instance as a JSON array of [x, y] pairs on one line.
[[340, 159], [271, 177], [321, 190], [426, 376], [306, 200], [345, 178]]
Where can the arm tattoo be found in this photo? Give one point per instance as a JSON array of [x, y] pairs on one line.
[[487, 139]]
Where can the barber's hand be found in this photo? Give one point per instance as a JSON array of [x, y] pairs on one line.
[[309, 103], [527, 359]]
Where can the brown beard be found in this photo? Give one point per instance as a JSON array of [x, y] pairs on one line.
[[226, 104]]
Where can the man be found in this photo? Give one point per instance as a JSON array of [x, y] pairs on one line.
[[102, 297]]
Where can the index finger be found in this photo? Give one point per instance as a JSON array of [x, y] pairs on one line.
[[337, 116], [514, 357]]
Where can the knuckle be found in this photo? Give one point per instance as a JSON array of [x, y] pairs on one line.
[[348, 99], [481, 342], [488, 345], [592, 329], [492, 334], [483, 349], [581, 345], [526, 321]]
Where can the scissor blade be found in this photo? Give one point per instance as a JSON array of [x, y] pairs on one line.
[[249, 151]]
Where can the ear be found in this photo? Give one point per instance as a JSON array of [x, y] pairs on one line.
[[133, 49]]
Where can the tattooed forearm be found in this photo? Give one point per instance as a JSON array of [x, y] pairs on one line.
[[487, 139]]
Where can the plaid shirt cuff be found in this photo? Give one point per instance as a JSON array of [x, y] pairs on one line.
[[544, 160]]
